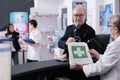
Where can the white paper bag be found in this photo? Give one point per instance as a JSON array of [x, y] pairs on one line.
[[78, 53]]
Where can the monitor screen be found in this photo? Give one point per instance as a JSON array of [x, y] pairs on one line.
[[20, 22]]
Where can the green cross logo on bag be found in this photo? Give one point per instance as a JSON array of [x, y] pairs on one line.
[[79, 52]]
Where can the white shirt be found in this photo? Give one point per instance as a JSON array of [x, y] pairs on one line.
[[108, 66], [34, 52]]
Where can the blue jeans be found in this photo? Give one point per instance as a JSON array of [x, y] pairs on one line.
[[15, 57]]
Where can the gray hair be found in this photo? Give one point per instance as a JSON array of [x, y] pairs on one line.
[[115, 21], [79, 7]]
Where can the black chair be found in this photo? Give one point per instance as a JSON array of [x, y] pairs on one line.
[[99, 42], [103, 40]]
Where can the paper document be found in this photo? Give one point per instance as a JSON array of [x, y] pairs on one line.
[[29, 40], [78, 53]]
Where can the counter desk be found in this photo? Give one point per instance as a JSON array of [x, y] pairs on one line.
[[48, 70]]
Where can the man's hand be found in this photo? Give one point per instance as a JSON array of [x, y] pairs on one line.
[[70, 39], [93, 52], [63, 56], [78, 67]]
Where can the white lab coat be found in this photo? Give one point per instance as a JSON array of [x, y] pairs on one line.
[[34, 52], [108, 66]]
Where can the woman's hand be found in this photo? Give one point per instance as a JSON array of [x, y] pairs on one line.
[[93, 52], [9, 36]]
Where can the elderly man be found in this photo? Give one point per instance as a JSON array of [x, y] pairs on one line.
[[108, 65], [79, 31]]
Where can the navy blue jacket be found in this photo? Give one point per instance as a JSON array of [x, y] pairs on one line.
[[85, 32]]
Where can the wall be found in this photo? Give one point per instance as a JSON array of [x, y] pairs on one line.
[[98, 3], [12, 5], [46, 12], [93, 11], [46, 7], [94, 6], [7, 6], [62, 5]]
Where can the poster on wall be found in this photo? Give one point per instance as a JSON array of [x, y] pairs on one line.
[[64, 18], [20, 22], [105, 12]]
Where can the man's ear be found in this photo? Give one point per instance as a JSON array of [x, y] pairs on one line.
[[116, 29]]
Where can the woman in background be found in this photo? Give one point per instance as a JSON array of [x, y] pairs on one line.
[[11, 33]]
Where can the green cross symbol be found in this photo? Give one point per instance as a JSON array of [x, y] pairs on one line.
[[79, 52]]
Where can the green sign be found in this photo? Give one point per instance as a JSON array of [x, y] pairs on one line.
[[79, 52]]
